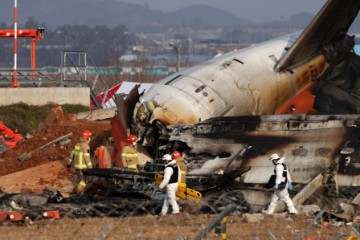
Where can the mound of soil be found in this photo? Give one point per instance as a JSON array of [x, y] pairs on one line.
[[46, 166], [9, 162]]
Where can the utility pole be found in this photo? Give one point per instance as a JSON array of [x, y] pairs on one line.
[[177, 55], [15, 83]]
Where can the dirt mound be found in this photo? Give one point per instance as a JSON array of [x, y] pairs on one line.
[[9, 162]]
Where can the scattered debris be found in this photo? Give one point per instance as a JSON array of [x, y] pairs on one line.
[[308, 210], [28, 155], [65, 141], [253, 218]]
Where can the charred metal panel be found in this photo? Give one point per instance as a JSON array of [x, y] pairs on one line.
[[308, 143], [301, 152], [338, 90], [323, 151]]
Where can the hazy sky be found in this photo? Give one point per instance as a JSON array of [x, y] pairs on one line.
[[255, 10]]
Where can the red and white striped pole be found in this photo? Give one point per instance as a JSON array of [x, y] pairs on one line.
[[15, 83]]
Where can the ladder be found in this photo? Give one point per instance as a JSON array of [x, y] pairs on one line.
[[75, 66]]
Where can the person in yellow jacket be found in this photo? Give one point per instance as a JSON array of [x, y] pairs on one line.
[[80, 159], [129, 154], [176, 155]]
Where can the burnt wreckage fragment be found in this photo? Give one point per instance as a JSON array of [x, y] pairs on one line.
[[338, 90]]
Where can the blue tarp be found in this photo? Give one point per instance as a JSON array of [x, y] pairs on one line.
[[357, 49]]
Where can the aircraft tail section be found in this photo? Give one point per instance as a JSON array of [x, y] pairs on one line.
[[330, 24]]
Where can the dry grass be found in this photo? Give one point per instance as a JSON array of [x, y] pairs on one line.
[[182, 226]]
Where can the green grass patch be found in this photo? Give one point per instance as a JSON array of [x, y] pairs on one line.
[[26, 118], [71, 108]]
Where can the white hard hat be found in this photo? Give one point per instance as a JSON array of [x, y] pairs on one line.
[[167, 157], [274, 156]]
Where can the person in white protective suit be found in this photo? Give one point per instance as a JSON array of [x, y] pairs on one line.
[[281, 186], [172, 175]]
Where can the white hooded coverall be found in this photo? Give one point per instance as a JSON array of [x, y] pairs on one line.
[[281, 194], [171, 188]]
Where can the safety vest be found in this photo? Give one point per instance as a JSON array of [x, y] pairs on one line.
[[129, 157], [284, 174], [175, 176], [105, 156], [80, 156], [282, 185]]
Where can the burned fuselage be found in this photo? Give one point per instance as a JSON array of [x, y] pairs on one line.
[[239, 83], [309, 144]]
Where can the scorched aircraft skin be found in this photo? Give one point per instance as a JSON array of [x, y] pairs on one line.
[[308, 142]]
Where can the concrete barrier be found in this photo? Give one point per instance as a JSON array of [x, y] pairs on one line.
[[41, 96]]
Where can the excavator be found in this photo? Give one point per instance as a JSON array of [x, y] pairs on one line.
[[8, 137]]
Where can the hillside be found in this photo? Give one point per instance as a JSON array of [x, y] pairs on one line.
[[110, 13], [137, 18]]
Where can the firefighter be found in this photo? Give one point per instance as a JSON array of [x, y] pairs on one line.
[[281, 185], [171, 178], [80, 159], [129, 154], [176, 155]]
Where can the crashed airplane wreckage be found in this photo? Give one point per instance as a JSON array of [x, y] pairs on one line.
[[297, 95], [225, 157]]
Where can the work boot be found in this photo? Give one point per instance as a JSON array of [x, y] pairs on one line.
[[266, 212], [293, 211], [271, 208]]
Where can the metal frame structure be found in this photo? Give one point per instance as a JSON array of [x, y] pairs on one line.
[[74, 67]]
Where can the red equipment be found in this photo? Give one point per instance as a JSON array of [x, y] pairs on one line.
[[34, 34], [24, 215], [8, 136]]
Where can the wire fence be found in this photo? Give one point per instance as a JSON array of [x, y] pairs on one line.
[[100, 217]]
